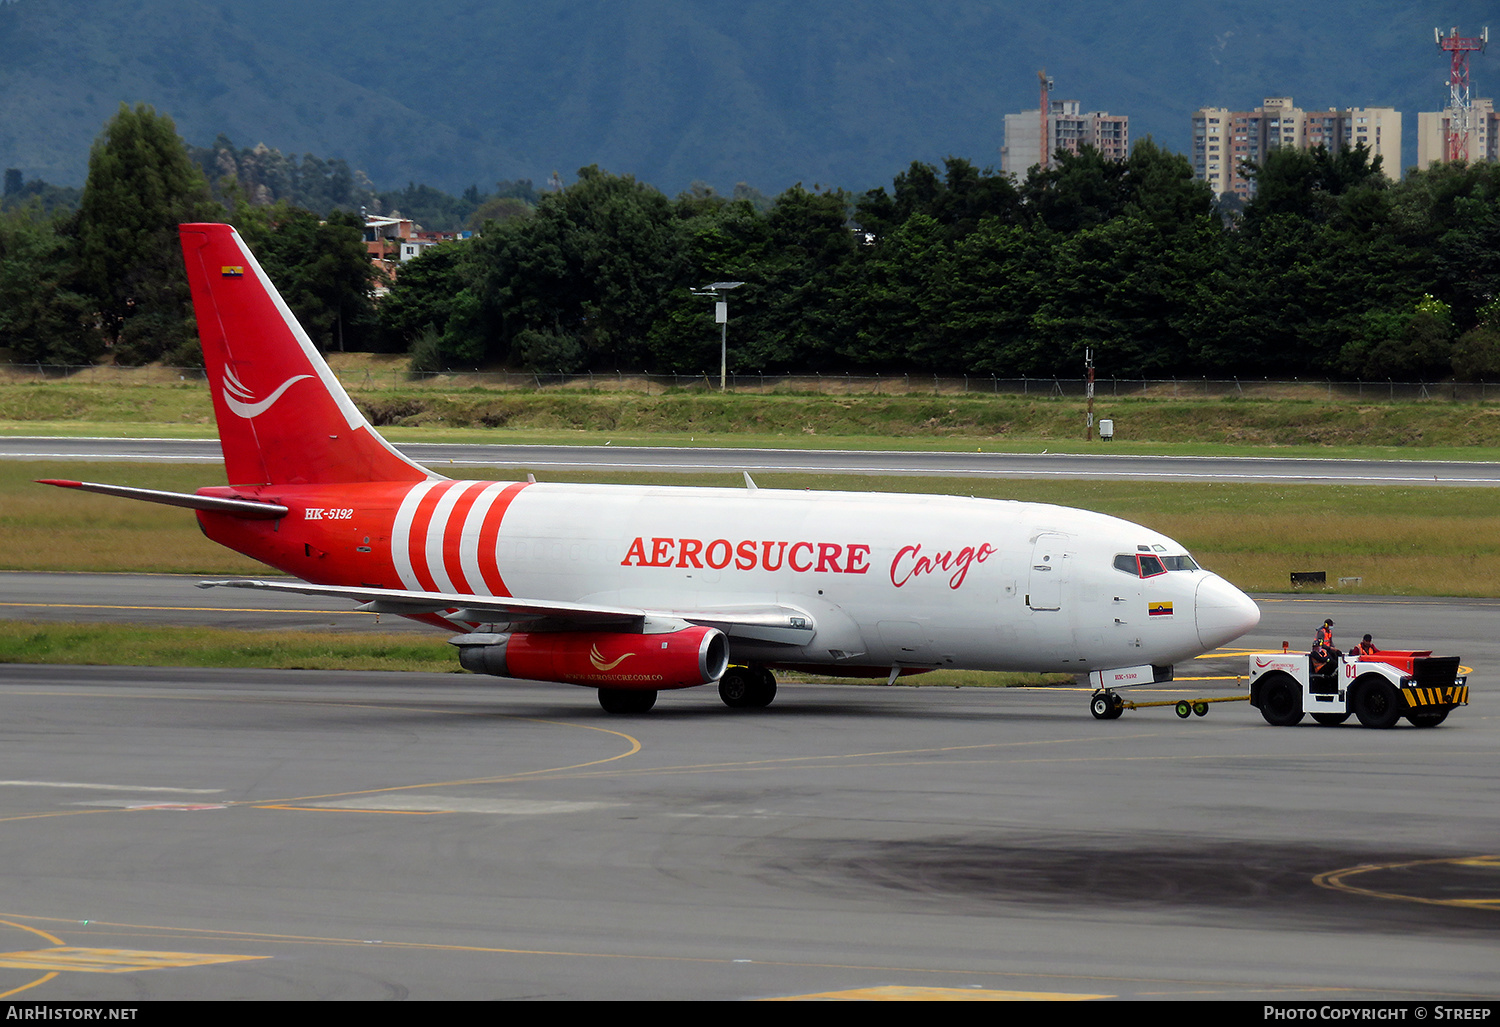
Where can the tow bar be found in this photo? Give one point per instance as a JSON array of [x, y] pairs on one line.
[[1109, 705]]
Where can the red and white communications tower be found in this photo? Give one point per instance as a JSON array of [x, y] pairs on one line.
[[1461, 124]]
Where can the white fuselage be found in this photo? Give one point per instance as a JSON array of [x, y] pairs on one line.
[[909, 581]]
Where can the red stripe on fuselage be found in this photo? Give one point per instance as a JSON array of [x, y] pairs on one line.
[[489, 539], [416, 539], [452, 530]]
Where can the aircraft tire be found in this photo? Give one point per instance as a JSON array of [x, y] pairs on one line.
[[736, 687], [1106, 706], [747, 688], [763, 687], [1330, 719], [626, 700], [1376, 702], [1280, 700]]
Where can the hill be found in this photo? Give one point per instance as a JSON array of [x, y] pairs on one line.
[[844, 93]]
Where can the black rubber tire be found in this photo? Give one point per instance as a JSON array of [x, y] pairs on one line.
[[1376, 702], [1106, 706], [763, 688], [1280, 700], [1200, 708], [626, 700], [1184, 709], [737, 688], [1331, 719]]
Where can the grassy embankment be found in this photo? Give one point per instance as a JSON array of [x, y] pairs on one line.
[[144, 646], [153, 402], [1399, 540]]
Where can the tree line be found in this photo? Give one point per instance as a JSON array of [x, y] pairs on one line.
[[1331, 270]]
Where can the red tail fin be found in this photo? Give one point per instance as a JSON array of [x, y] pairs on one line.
[[284, 419]]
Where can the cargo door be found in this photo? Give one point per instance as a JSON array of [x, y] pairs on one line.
[[1049, 572]]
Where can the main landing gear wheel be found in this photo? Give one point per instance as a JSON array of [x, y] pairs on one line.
[[626, 700], [744, 688], [1106, 706]]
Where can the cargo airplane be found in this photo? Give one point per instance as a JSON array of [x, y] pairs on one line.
[[635, 589]]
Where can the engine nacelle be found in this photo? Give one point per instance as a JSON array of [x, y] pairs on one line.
[[604, 659]]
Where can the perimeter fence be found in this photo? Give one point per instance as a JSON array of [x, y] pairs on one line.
[[379, 378]]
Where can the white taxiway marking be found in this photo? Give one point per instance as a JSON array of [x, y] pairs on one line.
[[176, 458], [109, 788], [452, 804]]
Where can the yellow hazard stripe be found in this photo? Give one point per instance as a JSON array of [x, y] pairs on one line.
[[1452, 695]]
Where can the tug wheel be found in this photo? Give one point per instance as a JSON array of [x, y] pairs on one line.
[[1280, 700], [1376, 702]]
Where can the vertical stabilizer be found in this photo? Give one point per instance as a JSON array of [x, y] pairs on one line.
[[283, 417]]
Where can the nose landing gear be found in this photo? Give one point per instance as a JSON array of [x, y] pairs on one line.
[[1106, 705]]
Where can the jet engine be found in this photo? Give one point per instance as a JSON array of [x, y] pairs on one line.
[[689, 656]]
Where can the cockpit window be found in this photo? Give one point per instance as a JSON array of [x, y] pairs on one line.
[[1179, 563], [1141, 565]]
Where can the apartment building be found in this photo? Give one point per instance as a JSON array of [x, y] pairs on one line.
[[1484, 133], [1223, 140], [1068, 128]]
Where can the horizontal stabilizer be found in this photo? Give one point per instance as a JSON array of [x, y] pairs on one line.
[[248, 508]]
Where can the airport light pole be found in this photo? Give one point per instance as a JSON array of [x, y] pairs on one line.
[[719, 292]]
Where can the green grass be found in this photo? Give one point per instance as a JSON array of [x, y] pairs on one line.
[[155, 403], [137, 645], [140, 646]]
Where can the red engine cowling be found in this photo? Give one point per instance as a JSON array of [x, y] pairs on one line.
[[605, 659]]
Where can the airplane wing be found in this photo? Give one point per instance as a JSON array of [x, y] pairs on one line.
[[769, 622]]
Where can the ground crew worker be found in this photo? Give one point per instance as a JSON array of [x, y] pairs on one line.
[[1324, 635], [1366, 647]]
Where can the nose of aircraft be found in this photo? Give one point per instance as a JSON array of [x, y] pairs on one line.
[[1222, 612]]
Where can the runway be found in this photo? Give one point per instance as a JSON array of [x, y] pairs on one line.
[[247, 834], [1102, 466]]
